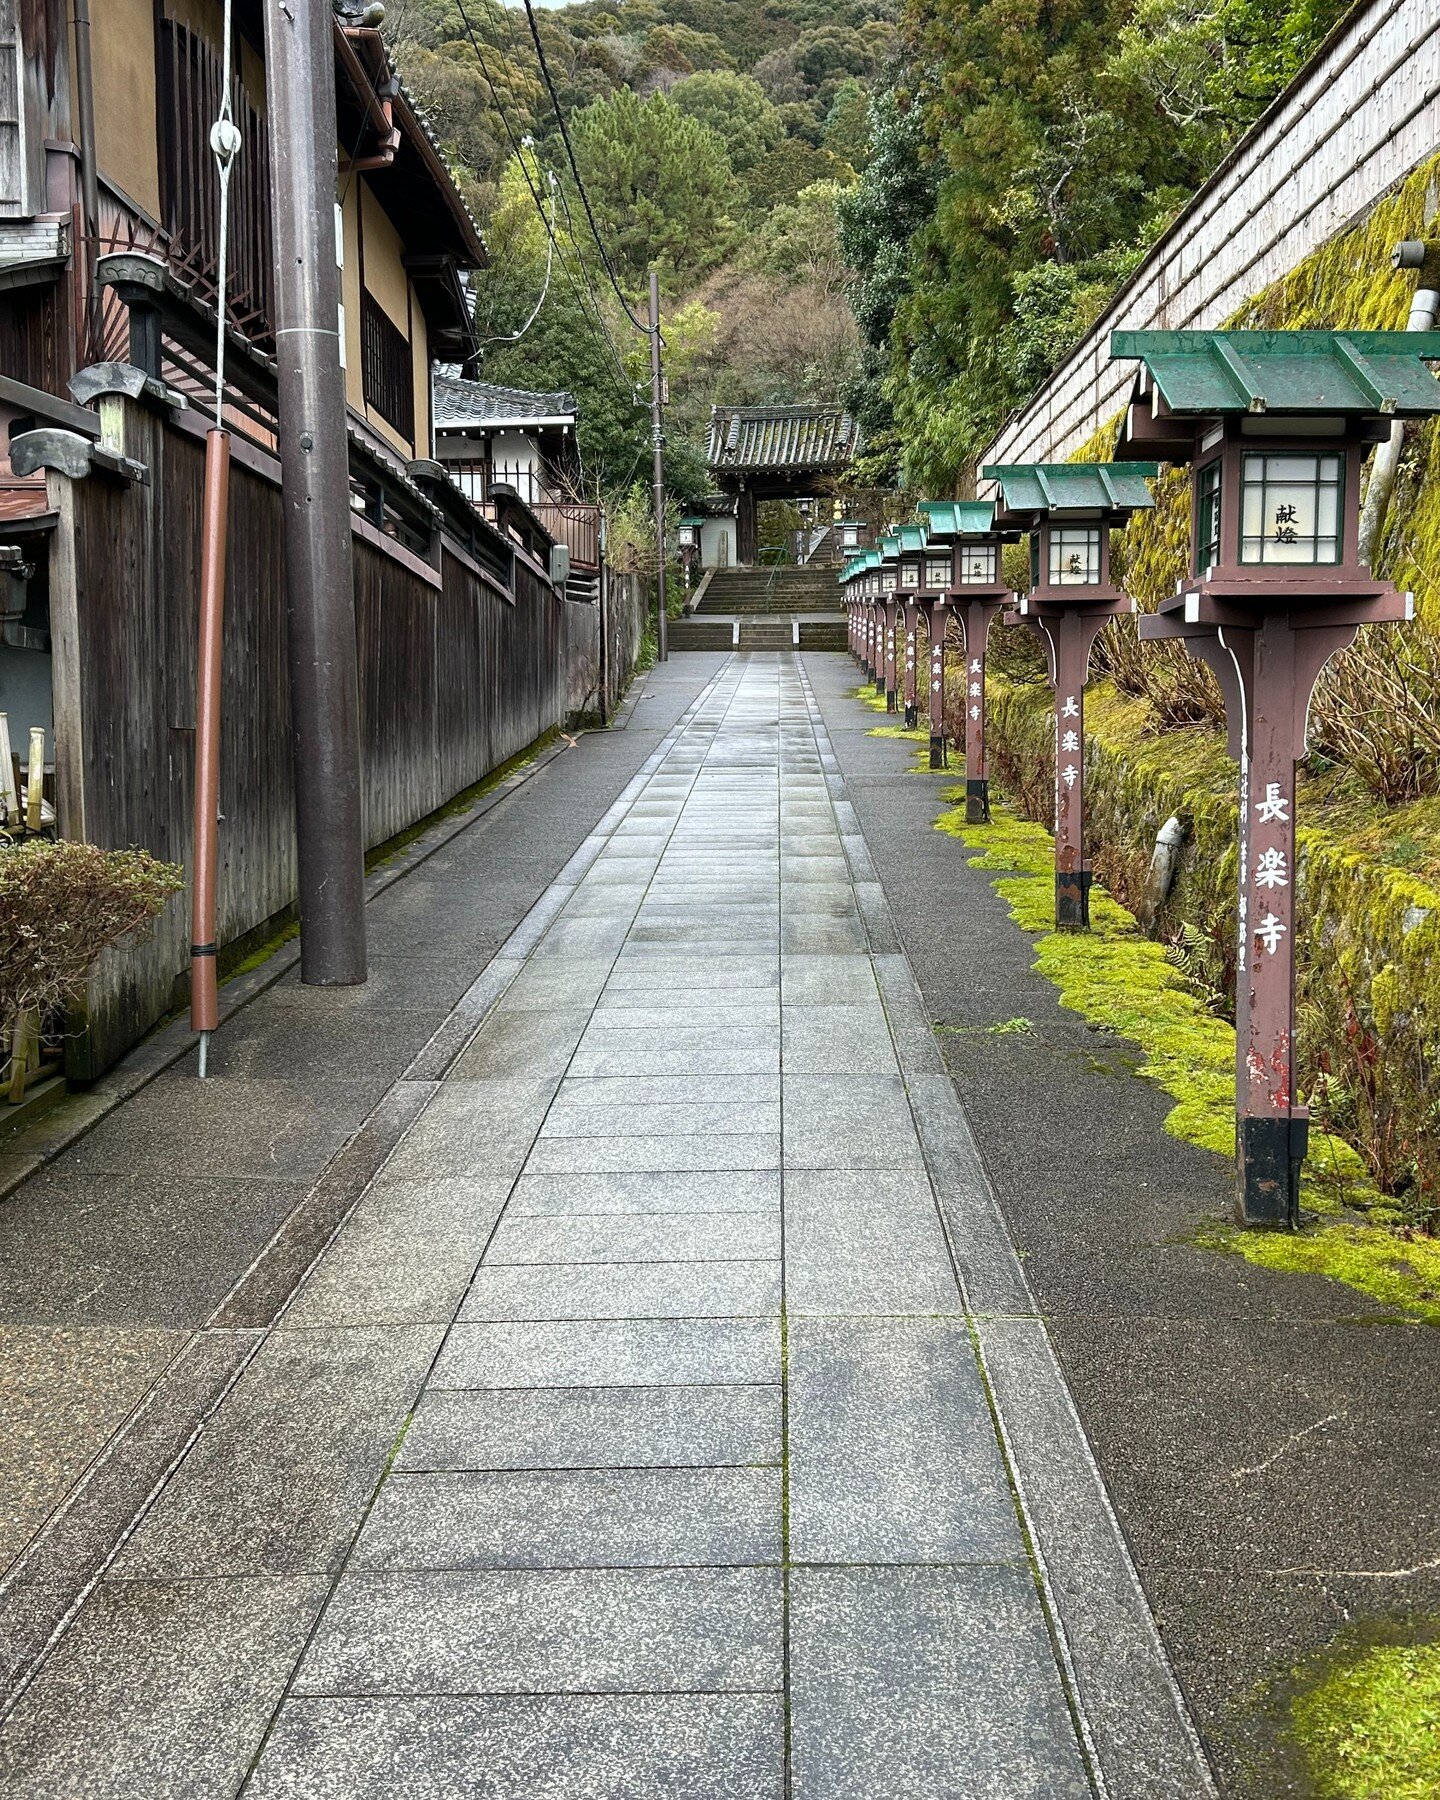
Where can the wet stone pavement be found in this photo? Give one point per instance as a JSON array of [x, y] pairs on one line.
[[670, 1417]]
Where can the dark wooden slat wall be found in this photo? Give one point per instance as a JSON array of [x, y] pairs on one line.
[[454, 680]]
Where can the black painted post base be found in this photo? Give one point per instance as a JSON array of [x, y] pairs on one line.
[[937, 752], [977, 801], [879, 683], [912, 716], [1072, 901], [1270, 1154], [892, 703]]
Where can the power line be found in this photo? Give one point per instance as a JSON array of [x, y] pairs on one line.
[[575, 168], [574, 234], [597, 324], [514, 337]]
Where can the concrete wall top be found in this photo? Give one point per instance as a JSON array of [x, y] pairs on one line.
[[1357, 119]]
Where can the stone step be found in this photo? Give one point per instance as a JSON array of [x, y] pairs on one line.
[[701, 634]]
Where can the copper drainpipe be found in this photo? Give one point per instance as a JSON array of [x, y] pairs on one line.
[[204, 996], [352, 39]]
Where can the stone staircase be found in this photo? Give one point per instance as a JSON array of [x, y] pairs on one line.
[[783, 590], [768, 604]]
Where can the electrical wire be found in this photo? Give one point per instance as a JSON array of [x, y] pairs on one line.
[[597, 323], [639, 324], [514, 337]]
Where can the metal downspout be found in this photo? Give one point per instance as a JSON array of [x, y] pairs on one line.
[[1385, 464]]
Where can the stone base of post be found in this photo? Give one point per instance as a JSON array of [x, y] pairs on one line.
[[1270, 1154], [977, 801], [1072, 899], [937, 751]]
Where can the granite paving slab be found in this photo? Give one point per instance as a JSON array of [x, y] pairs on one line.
[[574, 1518], [590, 1428], [674, 1290], [646, 1191], [591, 1352], [572, 1631], [651, 1747], [926, 1684], [631, 1238], [892, 1451]]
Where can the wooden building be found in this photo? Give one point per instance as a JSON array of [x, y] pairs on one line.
[[503, 444], [466, 641]]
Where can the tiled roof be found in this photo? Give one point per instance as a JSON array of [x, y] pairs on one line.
[[472, 404], [958, 518], [781, 437], [1212, 374], [1044, 488]]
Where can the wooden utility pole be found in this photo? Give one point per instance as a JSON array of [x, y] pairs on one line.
[[657, 438], [315, 485]]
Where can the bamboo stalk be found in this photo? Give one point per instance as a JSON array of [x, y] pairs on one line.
[[18, 1036], [9, 793], [35, 780]]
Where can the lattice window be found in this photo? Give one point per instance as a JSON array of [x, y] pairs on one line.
[[190, 81], [387, 367]]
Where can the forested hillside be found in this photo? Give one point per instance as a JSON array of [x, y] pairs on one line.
[[715, 138], [912, 205]]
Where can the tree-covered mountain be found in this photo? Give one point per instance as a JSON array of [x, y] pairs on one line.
[[714, 138]]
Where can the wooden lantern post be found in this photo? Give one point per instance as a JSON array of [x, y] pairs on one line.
[[962, 571], [1275, 426], [1070, 510], [889, 572], [911, 540]]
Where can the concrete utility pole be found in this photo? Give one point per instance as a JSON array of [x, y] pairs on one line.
[[315, 477], [657, 436]]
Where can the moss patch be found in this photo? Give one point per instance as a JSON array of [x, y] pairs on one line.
[[1367, 1724], [1400, 1269]]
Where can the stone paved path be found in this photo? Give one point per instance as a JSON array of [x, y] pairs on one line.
[[671, 1418]]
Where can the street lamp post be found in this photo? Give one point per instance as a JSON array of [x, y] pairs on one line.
[[1275, 426], [1069, 510], [962, 572]]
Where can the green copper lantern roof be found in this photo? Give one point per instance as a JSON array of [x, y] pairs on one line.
[[911, 538], [1041, 489], [1216, 374], [959, 518], [889, 547]]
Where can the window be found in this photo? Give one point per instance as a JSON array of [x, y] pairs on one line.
[[1074, 555], [1207, 517], [189, 83], [887, 580], [387, 372], [977, 564], [1290, 508], [937, 571], [910, 572]]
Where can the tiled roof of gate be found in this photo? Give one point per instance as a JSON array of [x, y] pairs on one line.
[[477, 404], [781, 437], [1212, 374]]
